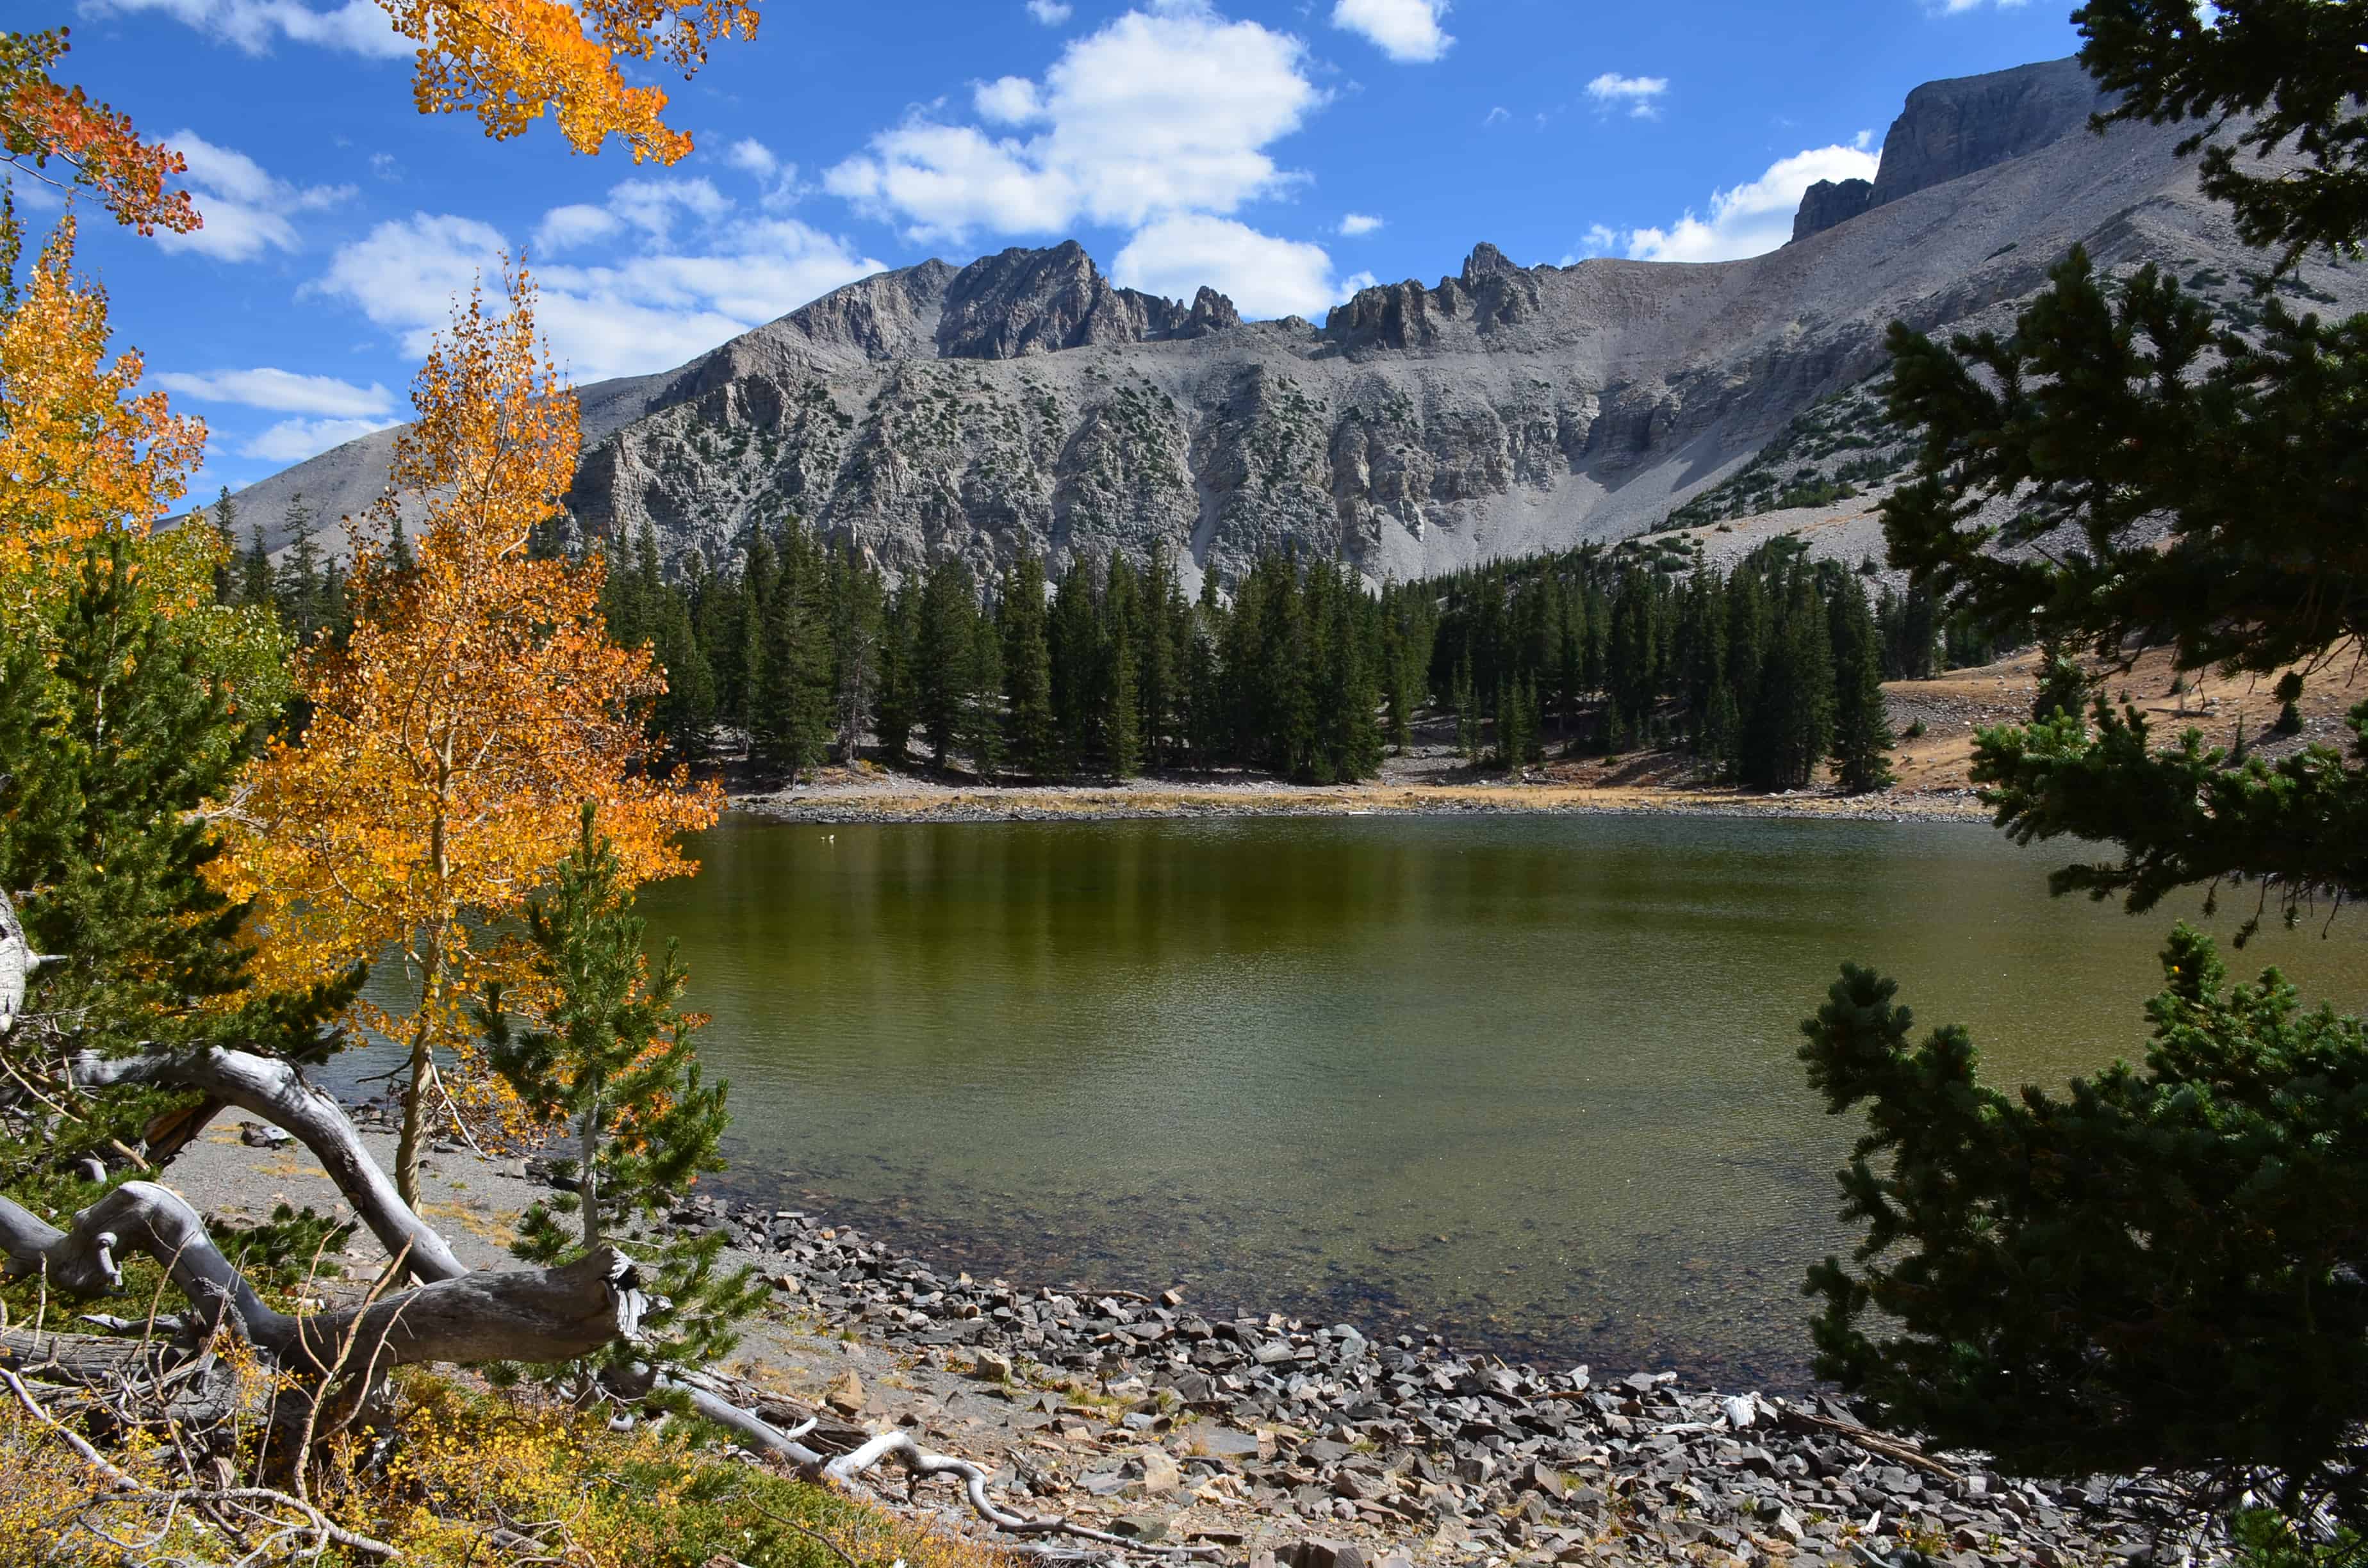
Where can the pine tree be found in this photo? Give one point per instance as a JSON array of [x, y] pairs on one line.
[[1078, 667], [114, 739], [683, 718], [1512, 736], [1862, 741], [856, 595], [336, 608], [2063, 686], [255, 569], [298, 589], [1159, 660], [899, 702], [1122, 721], [1467, 712], [791, 730], [944, 653], [225, 522], [2161, 1269], [1791, 727], [607, 1053], [1028, 669], [982, 725], [1352, 740]]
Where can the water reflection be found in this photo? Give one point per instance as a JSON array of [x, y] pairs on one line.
[[1531, 1080]]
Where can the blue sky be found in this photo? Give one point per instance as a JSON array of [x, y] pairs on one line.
[[1283, 151]]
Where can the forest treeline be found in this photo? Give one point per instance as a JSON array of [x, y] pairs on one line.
[[799, 652]]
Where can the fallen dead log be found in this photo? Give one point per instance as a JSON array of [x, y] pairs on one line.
[[1867, 1438], [274, 1090], [534, 1315]]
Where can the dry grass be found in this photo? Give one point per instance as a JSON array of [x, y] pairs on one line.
[[478, 1479]]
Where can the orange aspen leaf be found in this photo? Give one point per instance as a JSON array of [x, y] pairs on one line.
[[511, 62], [454, 739], [43, 121]]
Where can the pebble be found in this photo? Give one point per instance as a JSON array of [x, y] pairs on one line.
[[1407, 1434]]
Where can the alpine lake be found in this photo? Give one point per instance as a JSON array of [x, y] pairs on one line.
[[1527, 1081]]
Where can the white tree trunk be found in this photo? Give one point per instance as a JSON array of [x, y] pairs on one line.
[[536, 1316], [276, 1091], [18, 961]]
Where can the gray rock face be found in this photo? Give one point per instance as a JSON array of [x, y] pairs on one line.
[[1041, 302], [1023, 402], [1961, 126], [1968, 123], [1829, 202]]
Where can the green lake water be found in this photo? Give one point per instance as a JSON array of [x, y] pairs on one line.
[[1529, 1081]]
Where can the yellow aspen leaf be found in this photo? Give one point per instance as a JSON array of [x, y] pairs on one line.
[[83, 449], [454, 739]]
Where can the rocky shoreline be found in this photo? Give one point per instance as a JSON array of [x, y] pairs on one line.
[[839, 805], [1266, 1439]]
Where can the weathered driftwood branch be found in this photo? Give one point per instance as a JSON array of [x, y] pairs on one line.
[[276, 1091], [762, 1436], [542, 1315], [1866, 1437]]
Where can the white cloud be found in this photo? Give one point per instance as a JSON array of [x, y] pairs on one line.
[[1405, 30], [577, 223], [1497, 116], [1161, 111], [652, 205], [651, 304], [777, 181], [1009, 100], [359, 26], [1357, 225], [385, 165], [281, 392], [1264, 276], [1754, 217], [752, 156], [293, 440], [1638, 95], [405, 274], [1052, 13], [245, 209], [1600, 239], [1951, 7]]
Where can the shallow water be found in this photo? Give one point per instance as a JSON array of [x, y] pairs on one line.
[[1527, 1080]]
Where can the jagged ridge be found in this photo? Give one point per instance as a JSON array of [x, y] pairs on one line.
[[1023, 402]]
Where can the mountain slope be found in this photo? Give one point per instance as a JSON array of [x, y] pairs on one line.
[[1022, 401]]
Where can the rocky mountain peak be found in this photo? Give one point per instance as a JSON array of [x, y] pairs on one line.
[[1957, 127], [1024, 301], [1491, 288], [1484, 262], [1211, 312], [1829, 202], [1964, 123]]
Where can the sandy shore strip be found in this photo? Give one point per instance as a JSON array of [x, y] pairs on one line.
[[904, 799]]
